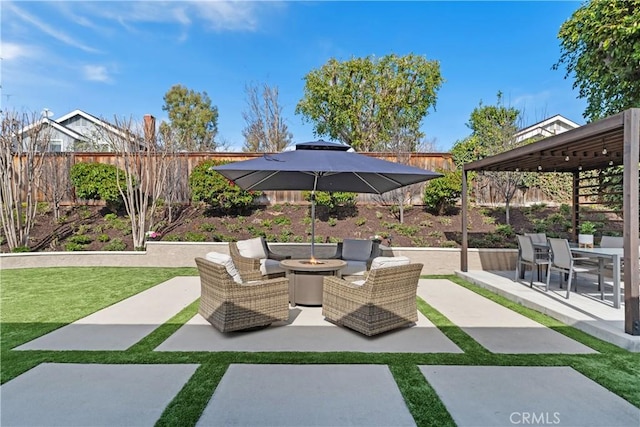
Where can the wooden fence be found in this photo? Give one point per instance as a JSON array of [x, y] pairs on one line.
[[182, 164]]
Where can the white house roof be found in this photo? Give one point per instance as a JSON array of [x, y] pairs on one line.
[[547, 127], [93, 119], [55, 125]]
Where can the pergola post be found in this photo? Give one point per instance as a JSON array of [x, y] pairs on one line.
[[631, 138], [575, 206], [464, 260]]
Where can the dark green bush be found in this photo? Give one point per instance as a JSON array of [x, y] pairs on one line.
[[440, 194], [98, 181], [212, 188]]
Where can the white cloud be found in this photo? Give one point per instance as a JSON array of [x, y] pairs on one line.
[[47, 29], [9, 51], [96, 73], [216, 15], [223, 15]]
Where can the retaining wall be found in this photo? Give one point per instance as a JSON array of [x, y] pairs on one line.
[[182, 254]]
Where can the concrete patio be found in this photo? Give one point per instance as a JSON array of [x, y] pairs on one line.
[[326, 395]]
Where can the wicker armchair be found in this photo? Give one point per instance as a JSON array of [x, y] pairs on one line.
[[249, 268], [385, 301], [230, 306]]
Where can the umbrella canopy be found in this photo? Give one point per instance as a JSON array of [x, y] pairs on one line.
[[322, 166]]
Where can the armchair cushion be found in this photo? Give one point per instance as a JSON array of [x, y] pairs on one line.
[[252, 248], [389, 261], [270, 266], [356, 249], [226, 261], [354, 268]]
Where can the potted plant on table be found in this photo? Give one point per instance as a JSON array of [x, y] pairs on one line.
[[585, 237]]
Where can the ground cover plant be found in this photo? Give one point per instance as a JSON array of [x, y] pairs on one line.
[[92, 228], [78, 292]]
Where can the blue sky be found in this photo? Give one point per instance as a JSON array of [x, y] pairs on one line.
[[118, 58]]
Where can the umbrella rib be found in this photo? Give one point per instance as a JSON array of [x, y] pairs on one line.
[[261, 181], [371, 186]]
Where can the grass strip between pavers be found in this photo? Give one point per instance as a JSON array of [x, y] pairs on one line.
[[614, 368]]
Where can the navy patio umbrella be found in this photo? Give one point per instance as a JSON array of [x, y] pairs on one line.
[[322, 166]]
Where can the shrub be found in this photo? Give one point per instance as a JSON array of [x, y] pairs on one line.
[[440, 194], [360, 221], [505, 230], [282, 220], [98, 181], [192, 236], [74, 247], [80, 239], [332, 200], [207, 227], [103, 238], [212, 188], [115, 245]]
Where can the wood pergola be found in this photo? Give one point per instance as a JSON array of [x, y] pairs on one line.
[[612, 141]]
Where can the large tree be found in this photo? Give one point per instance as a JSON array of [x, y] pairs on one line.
[[266, 130], [366, 102], [601, 48], [493, 131], [192, 117]]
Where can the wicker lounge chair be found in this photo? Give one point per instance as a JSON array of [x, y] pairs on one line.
[[230, 306], [385, 301], [249, 268]]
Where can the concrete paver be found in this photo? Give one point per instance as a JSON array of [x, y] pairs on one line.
[[121, 325], [307, 330], [512, 395], [61, 394], [307, 395], [495, 327]]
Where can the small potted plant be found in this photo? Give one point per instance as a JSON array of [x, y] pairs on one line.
[[376, 238], [585, 237]]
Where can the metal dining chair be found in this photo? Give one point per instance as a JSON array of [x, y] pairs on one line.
[[562, 260], [527, 255]]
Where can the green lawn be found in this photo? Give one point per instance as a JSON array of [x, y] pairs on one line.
[[34, 302]]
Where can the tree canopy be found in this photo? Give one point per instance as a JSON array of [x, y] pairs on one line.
[[367, 102], [192, 117], [600, 46], [493, 131]]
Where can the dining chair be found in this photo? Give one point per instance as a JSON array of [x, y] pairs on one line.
[[562, 260], [537, 238], [611, 242], [527, 255]]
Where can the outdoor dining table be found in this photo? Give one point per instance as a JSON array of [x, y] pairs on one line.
[[603, 254]]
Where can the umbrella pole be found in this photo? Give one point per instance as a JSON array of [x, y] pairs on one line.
[[313, 223]]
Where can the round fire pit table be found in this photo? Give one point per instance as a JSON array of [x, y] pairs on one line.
[[306, 276]]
